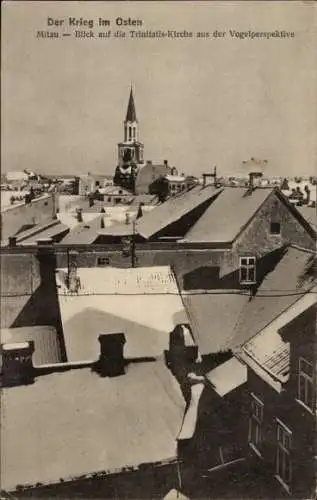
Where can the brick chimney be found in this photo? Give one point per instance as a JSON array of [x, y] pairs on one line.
[[111, 361], [73, 281], [17, 367]]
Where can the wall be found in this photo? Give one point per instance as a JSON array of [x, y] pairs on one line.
[[256, 239], [28, 292], [148, 174], [149, 481], [36, 212], [284, 407]]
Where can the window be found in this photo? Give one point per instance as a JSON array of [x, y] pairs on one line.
[[305, 382], [275, 228], [247, 270], [255, 423], [103, 261], [283, 454]]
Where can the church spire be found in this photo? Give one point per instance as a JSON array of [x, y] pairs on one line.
[[130, 122], [131, 114]]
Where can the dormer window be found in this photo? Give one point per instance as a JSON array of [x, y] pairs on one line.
[[247, 270]]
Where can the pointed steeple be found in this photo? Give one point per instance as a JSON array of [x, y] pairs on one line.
[[131, 114]]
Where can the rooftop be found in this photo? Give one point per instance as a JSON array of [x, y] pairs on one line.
[[227, 376], [142, 303], [174, 209], [281, 288], [46, 343], [213, 317], [51, 229], [224, 319], [84, 232], [267, 349], [229, 213], [76, 423]]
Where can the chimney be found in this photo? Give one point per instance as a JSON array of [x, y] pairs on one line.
[[17, 366], [72, 278], [251, 181], [140, 211], [12, 241], [166, 162], [111, 361], [180, 357], [204, 180], [79, 215], [102, 223]]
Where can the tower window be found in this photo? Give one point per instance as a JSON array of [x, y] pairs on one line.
[[275, 228], [130, 133]]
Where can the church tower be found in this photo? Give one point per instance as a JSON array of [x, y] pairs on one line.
[[130, 151]]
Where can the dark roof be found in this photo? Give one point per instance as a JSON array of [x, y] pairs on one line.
[[281, 288], [131, 113], [46, 342], [174, 209], [76, 423], [227, 215], [213, 317]]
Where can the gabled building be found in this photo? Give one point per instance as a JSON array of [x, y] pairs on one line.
[[221, 320], [281, 362]]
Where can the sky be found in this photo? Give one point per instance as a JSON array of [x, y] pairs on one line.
[[199, 102]]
